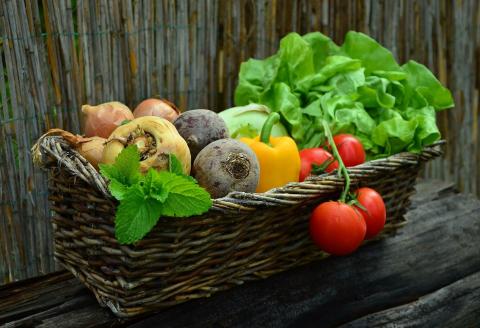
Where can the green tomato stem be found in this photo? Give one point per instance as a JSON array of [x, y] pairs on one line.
[[343, 170], [267, 127]]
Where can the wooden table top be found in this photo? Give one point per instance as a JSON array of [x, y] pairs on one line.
[[428, 275]]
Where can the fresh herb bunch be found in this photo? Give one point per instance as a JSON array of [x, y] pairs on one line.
[[145, 198]]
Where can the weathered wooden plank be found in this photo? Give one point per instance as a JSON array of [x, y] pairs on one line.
[[79, 312], [31, 296], [456, 305], [424, 194], [55, 300], [437, 248]]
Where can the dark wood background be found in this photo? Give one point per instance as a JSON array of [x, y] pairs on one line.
[[57, 55]]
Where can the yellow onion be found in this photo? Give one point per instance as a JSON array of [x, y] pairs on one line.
[[155, 138], [157, 107], [102, 119], [90, 148]]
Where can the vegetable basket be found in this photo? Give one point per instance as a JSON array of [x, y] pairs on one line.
[[243, 237]]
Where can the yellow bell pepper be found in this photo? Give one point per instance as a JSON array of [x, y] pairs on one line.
[[278, 157]]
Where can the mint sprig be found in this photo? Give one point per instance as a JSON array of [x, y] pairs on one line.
[[136, 215], [185, 197], [174, 165], [126, 169], [143, 199]]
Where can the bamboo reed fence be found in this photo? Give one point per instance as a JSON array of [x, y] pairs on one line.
[[57, 55]]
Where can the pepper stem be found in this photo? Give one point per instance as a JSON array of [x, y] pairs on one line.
[[342, 169], [267, 127]]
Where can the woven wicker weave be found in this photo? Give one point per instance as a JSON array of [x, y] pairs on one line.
[[243, 237]]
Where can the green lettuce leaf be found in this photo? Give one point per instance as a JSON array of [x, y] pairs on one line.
[[353, 120], [394, 134], [427, 131], [374, 93], [296, 60], [322, 47], [281, 99], [426, 84], [374, 57], [256, 78], [357, 88]]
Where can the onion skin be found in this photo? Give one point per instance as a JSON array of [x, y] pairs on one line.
[[92, 150], [157, 107], [102, 119], [166, 141]]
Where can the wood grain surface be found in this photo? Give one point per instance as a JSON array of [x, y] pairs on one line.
[[427, 275]]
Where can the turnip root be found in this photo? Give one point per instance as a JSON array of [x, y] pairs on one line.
[[199, 127], [227, 165], [155, 139]]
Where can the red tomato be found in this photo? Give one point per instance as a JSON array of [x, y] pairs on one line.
[[375, 214], [314, 156], [350, 149], [337, 228]]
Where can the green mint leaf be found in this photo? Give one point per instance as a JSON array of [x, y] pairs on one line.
[[117, 189], [136, 215], [153, 186], [160, 194], [128, 164], [185, 197], [125, 170], [148, 181], [174, 165], [109, 171], [191, 179]]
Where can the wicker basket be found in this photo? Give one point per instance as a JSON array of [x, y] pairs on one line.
[[243, 237]]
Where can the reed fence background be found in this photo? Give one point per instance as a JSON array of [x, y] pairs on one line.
[[57, 55]]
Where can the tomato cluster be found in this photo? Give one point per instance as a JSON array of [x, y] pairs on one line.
[[319, 160], [337, 227]]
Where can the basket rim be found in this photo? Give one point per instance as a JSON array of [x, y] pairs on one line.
[[292, 193]]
